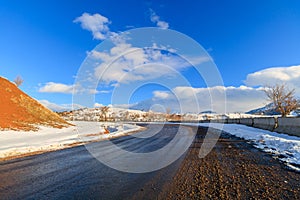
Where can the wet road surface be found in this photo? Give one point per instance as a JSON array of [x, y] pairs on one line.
[[75, 174]]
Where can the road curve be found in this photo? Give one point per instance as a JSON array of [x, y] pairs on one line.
[[75, 174]]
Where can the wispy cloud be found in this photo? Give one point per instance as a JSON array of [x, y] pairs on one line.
[[95, 23], [156, 19]]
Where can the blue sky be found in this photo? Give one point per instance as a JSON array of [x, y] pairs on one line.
[[41, 42]]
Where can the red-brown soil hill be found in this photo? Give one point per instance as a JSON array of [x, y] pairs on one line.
[[18, 111]]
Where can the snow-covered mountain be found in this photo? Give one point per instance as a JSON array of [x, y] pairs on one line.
[[270, 110], [266, 110], [295, 112]]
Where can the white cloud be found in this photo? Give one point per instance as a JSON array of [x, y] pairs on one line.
[[104, 91], [161, 94], [93, 91], [196, 60], [238, 99], [271, 76], [156, 19], [125, 64], [60, 107], [124, 106], [187, 99], [95, 23], [52, 87], [98, 105]]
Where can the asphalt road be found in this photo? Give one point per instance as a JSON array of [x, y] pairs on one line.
[[76, 174], [234, 169]]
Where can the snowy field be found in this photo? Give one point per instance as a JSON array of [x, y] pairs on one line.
[[283, 146], [16, 143]]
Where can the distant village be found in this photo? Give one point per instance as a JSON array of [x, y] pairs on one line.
[[112, 114]]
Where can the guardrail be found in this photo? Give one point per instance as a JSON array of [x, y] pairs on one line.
[[288, 125]]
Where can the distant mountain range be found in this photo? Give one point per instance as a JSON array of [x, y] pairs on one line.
[[266, 110], [270, 110]]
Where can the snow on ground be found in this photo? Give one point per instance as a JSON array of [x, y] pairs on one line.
[[15, 143], [283, 146]]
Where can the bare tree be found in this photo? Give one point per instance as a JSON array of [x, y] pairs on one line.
[[18, 81], [113, 116], [283, 98], [145, 116], [168, 111], [135, 117], [104, 111]]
